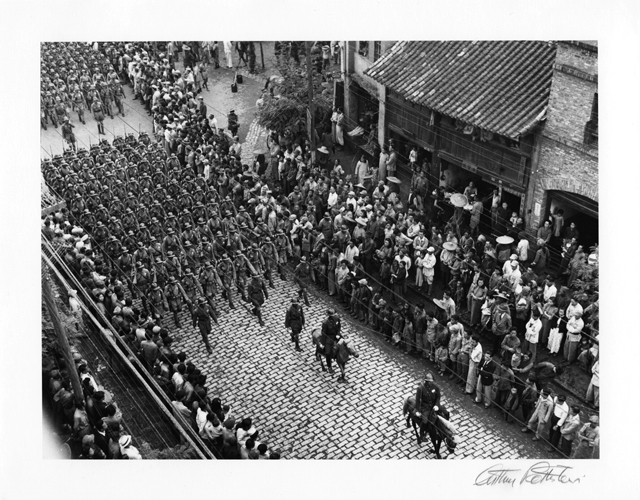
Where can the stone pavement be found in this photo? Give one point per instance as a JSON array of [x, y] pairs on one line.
[[306, 413], [297, 408]]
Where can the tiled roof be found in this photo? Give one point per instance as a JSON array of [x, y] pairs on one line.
[[501, 86]]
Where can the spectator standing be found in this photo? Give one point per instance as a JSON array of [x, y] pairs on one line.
[[588, 440], [474, 360], [486, 369], [569, 431], [593, 391], [558, 417], [541, 415]]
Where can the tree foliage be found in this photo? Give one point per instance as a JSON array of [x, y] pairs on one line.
[[286, 109]]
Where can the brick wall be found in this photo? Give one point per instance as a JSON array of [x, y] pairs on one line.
[[564, 162]]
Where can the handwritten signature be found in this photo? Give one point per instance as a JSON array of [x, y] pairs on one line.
[[538, 473]]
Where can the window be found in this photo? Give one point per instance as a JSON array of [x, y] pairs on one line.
[[591, 128], [377, 50], [363, 48]]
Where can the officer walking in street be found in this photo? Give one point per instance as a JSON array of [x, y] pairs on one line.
[[202, 319], [294, 321], [257, 293], [331, 332], [301, 275]]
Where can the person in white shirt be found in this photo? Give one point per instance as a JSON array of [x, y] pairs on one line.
[[593, 391], [351, 251], [228, 51], [523, 248], [333, 197], [573, 308], [428, 264], [574, 335], [507, 268], [515, 276], [532, 332], [474, 358], [558, 417], [213, 123], [420, 242], [550, 290]]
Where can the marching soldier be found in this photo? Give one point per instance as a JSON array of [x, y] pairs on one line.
[[60, 111], [79, 104], [227, 274], [191, 258], [294, 321], [270, 254], [257, 294], [125, 266], [175, 295], [173, 266], [283, 245], [68, 135], [98, 114], [209, 281], [301, 275], [201, 319], [157, 302], [118, 96], [170, 242], [142, 280], [160, 273], [191, 287], [240, 266]]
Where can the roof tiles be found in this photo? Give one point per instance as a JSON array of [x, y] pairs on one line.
[[501, 86]]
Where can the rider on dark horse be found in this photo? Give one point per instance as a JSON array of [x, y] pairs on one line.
[[427, 401], [331, 331]]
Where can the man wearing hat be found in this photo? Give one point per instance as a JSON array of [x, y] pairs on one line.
[[427, 401], [541, 415], [257, 292], [294, 321], [331, 333], [157, 302], [428, 265], [302, 274], [501, 321], [142, 281], [175, 295], [202, 319], [233, 126], [227, 273]]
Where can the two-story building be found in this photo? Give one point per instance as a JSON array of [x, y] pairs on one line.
[[566, 176], [473, 109]]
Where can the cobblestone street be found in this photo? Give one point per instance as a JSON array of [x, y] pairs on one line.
[[298, 408]]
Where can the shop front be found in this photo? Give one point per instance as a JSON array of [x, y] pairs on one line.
[[577, 209]]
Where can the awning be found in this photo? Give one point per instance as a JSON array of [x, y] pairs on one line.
[[578, 202]]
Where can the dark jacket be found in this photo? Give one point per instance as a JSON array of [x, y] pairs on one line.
[[294, 318], [486, 369]]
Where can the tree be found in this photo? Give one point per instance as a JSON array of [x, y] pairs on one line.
[[286, 107]]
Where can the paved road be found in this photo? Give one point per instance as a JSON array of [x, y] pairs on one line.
[[299, 409]]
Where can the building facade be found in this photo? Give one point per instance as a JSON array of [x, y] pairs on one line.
[[472, 109], [566, 176]]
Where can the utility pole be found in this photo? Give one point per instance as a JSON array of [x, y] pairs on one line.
[[262, 56], [63, 342], [311, 129]]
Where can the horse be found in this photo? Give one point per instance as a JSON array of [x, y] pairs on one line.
[[342, 351], [442, 430]]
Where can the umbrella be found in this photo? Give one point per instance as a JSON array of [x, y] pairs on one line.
[[359, 186], [504, 240], [459, 200], [324, 150], [259, 151], [393, 179]]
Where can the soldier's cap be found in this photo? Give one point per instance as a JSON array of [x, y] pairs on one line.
[[187, 243], [188, 271], [303, 259], [202, 300], [170, 253], [267, 239], [142, 224], [238, 252], [140, 244], [331, 311], [172, 278], [218, 233], [187, 224], [208, 264], [241, 209], [170, 230], [138, 264], [130, 233], [429, 376]]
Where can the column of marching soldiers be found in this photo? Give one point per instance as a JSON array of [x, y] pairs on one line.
[[165, 232]]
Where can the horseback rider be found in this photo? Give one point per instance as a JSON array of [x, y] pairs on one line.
[[331, 333], [294, 320], [427, 400]]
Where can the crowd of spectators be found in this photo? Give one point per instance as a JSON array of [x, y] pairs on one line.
[[361, 242]]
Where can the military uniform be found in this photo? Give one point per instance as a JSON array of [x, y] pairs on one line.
[[175, 295], [427, 396], [257, 292], [331, 331], [302, 274], [201, 319], [157, 302], [227, 274], [294, 319]]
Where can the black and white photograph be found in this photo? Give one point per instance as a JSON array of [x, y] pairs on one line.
[[358, 246]]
